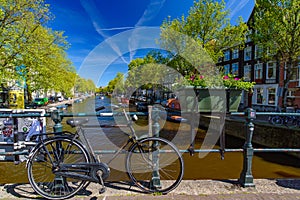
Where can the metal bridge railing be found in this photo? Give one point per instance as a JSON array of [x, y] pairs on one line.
[[246, 177]]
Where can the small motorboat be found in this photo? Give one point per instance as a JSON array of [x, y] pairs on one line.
[[176, 118]]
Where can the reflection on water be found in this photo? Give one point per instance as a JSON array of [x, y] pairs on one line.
[[265, 165]]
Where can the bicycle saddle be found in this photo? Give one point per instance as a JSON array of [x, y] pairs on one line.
[[77, 121]]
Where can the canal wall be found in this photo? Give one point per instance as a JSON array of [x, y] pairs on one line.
[[265, 134]]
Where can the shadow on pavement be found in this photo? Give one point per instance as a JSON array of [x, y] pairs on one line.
[[25, 190], [289, 183], [21, 191]]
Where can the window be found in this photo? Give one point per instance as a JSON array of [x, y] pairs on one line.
[[271, 70], [271, 96], [258, 51], [247, 53], [248, 36], [227, 55], [259, 95], [271, 51], [235, 69], [258, 68], [247, 72], [295, 72], [226, 69], [235, 54], [220, 59]]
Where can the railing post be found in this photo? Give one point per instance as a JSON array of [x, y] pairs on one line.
[[155, 182], [155, 118], [246, 178], [58, 129], [57, 119], [16, 135]]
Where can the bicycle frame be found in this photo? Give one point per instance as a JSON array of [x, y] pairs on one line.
[[72, 163], [67, 170]]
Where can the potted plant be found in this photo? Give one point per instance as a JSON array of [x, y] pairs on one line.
[[212, 94]]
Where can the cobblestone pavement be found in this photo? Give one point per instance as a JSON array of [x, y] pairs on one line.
[[188, 189]]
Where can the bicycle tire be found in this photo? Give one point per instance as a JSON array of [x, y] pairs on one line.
[[46, 157], [277, 120], [140, 165], [291, 121]]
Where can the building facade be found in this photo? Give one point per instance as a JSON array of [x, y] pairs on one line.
[[268, 75]]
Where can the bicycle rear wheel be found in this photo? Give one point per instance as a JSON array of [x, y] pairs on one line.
[[48, 157], [276, 120], [291, 121], [155, 165]]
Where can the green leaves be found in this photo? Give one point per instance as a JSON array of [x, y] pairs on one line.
[[207, 25], [277, 30], [227, 81], [26, 41]]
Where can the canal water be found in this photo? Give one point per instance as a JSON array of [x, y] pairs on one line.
[[198, 166]]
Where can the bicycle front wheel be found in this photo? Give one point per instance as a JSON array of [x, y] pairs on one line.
[[155, 165], [47, 158], [277, 120]]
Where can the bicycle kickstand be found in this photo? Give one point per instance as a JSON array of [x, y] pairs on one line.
[[101, 182]]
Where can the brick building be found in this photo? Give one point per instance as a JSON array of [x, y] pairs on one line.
[[268, 75]]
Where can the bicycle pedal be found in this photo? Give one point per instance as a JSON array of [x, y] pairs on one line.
[[102, 190]]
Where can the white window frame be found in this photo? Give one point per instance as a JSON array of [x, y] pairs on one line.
[[297, 73], [235, 53], [247, 72], [268, 95], [248, 53], [226, 69], [258, 66], [274, 70], [227, 55], [258, 51], [265, 94], [235, 68], [256, 93], [248, 36]]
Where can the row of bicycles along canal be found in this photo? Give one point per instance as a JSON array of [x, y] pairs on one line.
[[291, 121]]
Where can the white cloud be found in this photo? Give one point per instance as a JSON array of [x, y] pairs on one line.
[[152, 10], [235, 6]]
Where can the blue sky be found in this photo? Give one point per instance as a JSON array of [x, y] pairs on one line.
[[106, 34]]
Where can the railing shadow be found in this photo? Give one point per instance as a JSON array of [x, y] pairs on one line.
[[289, 183], [124, 185], [24, 190], [21, 191]]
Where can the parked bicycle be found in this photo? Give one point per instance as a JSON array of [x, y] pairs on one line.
[[60, 166], [291, 121]]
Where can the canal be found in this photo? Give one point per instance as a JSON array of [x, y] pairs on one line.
[[203, 166]]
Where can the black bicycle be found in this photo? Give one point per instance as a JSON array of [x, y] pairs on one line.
[[60, 166]]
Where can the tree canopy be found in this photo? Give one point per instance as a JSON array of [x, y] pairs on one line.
[[277, 30], [31, 52], [208, 25]]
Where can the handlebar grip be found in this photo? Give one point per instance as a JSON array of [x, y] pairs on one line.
[[99, 108]]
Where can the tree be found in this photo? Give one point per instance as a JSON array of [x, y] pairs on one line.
[[277, 31], [116, 85], [84, 85], [209, 26], [29, 50], [119, 86], [146, 73]]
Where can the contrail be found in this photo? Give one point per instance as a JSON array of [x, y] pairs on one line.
[[95, 16], [152, 10], [116, 28]]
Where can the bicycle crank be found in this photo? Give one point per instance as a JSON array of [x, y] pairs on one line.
[[102, 169]]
